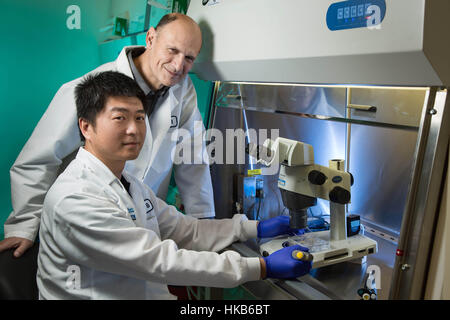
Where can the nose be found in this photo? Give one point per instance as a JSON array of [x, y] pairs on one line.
[[132, 128], [178, 63], [136, 129]]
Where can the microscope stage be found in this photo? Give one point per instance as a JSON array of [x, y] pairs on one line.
[[325, 252]]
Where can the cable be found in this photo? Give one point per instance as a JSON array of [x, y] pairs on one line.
[[250, 209], [259, 207]]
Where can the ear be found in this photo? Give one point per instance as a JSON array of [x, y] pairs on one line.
[[85, 128], [151, 34]]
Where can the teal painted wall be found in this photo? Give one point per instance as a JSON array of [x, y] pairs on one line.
[[38, 53]]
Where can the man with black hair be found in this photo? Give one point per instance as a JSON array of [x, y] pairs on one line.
[[105, 235]]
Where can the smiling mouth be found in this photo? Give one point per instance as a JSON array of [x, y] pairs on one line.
[[132, 144], [173, 74]]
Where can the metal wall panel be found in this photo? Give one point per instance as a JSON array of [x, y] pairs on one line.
[[381, 161]]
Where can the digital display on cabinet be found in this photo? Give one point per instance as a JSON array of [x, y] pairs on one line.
[[355, 14]]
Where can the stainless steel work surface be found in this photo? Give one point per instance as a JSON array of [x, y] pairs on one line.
[[337, 282]]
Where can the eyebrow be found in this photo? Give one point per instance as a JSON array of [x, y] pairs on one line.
[[120, 109]]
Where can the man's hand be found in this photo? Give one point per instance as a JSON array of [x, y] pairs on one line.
[[275, 227], [20, 244], [281, 265]]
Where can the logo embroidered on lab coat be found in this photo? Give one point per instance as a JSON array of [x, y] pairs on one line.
[[173, 122], [148, 206], [132, 215]]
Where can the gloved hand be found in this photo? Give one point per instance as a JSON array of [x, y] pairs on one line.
[[282, 265], [275, 227]]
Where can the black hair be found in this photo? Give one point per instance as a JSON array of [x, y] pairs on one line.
[[93, 91]]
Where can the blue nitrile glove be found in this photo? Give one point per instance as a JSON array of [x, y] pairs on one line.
[[276, 226], [281, 264]]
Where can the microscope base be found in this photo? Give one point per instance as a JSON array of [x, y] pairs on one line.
[[325, 252]]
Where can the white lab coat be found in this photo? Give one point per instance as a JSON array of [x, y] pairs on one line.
[[56, 139], [87, 228]]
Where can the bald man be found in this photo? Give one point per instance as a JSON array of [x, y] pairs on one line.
[[160, 69]]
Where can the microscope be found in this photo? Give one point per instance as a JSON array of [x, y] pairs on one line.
[[301, 182]]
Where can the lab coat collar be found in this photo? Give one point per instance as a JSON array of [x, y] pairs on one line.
[[173, 97], [161, 124], [122, 63], [96, 166]]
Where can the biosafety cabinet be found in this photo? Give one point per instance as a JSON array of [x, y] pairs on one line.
[[365, 81]]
